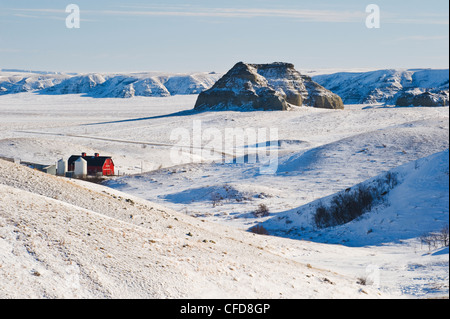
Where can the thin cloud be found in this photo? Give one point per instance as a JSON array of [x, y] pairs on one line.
[[307, 15], [335, 16], [54, 14], [39, 10], [21, 15]]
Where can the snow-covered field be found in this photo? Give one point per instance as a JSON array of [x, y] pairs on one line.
[[63, 238], [69, 239]]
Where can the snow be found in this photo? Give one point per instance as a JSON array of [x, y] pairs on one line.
[[381, 86], [169, 230], [13, 82], [422, 191], [391, 231], [69, 239], [353, 86], [106, 85]]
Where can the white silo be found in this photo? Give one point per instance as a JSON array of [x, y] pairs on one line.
[[62, 167], [80, 167]]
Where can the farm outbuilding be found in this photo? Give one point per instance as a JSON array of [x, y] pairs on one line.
[[80, 167], [51, 169], [96, 165], [62, 167]]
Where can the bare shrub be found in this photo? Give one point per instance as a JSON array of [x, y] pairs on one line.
[[353, 203], [344, 208], [444, 236], [391, 180], [322, 218], [435, 240], [261, 211], [362, 281], [227, 194], [259, 230], [216, 198]]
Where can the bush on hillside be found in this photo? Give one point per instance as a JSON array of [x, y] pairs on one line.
[[351, 204], [261, 211], [259, 230], [435, 240]]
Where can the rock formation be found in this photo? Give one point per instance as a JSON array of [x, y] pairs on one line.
[[383, 86], [275, 86], [430, 99], [107, 85]]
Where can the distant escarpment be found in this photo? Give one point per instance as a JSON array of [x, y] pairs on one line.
[[427, 98], [390, 87], [276, 86], [126, 85]]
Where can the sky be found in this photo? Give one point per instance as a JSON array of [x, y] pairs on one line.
[[208, 35]]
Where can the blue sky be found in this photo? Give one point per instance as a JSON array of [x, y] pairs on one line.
[[208, 35]]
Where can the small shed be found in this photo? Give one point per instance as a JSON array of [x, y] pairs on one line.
[[96, 165], [51, 169]]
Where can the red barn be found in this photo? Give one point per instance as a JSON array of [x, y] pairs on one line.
[[96, 164]]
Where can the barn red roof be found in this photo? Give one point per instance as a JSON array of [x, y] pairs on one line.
[[97, 161], [95, 164]]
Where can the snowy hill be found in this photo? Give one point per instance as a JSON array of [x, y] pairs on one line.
[[379, 86], [382, 86], [69, 239], [409, 201], [62, 238], [107, 85], [18, 82], [406, 226]]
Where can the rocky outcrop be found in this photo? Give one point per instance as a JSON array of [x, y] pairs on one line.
[[130, 85], [276, 86], [428, 99], [126, 85], [383, 86], [76, 85], [13, 82]]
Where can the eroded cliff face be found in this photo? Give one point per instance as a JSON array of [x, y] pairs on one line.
[[385, 86], [107, 85], [418, 98], [275, 86]]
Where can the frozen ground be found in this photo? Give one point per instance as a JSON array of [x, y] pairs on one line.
[[321, 152], [71, 239]]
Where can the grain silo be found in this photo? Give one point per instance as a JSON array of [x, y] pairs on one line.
[[80, 169], [62, 167]]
